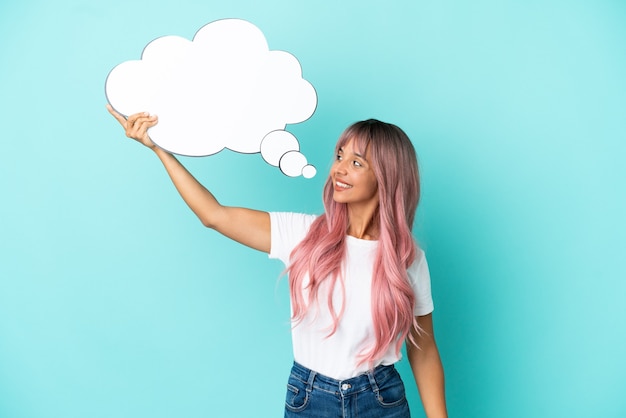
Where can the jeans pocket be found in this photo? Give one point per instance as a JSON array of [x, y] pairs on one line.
[[391, 392], [297, 397]]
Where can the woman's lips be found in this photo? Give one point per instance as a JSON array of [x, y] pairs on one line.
[[341, 186]]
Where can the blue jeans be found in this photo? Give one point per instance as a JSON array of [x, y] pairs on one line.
[[375, 394]]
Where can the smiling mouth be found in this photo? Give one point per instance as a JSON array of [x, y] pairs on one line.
[[342, 185]]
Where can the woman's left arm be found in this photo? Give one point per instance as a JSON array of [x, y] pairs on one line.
[[427, 368]]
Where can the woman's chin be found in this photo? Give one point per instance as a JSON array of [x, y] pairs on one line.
[[338, 198]]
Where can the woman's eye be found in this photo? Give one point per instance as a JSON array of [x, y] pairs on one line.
[[356, 163], [338, 157]]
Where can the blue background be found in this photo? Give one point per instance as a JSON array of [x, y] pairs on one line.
[[116, 302]]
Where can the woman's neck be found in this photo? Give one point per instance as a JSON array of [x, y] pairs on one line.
[[363, 222]]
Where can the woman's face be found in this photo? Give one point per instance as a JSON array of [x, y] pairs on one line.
[[353, 177]]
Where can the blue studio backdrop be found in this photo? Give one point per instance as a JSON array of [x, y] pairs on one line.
[[116, 302]]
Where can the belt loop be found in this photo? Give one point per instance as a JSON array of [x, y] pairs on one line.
[[309, 383], [370, 375]]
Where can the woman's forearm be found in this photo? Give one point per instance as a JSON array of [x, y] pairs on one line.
[[429, 377], [427, 367], [246, 226], [196, 196]]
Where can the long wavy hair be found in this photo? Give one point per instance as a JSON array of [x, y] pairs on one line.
[[320, 255]]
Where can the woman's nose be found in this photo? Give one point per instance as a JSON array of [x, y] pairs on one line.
[[340, 166]]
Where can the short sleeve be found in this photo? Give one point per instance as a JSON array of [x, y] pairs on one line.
[[287, 230], [419, 276]]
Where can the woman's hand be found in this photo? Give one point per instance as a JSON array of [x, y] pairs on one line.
[[136, 126]]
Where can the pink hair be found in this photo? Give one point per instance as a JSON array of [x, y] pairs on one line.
[[322, 251]]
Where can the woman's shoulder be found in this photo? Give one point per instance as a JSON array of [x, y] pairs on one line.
[[293, 219], [288, 229], [419, 268]]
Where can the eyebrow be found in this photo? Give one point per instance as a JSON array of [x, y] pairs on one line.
[[355, 153]]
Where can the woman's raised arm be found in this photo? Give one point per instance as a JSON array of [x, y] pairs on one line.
[[247, 226]]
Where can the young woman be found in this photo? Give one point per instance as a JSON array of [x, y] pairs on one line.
[[359, 285]]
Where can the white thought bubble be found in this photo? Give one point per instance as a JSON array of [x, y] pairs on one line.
[[224, 89]]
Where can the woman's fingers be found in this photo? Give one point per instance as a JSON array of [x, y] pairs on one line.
[[121, 119], [136, 125], [136, 119], [137, 128], [132, 120]]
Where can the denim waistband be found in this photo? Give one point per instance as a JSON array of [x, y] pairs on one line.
[[365, 381]]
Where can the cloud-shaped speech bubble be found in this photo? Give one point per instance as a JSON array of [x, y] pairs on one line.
[[224, 89]]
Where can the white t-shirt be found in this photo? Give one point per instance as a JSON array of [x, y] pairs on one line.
[[336, 356]]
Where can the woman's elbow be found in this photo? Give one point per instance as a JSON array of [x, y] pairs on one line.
[[208, 220]]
